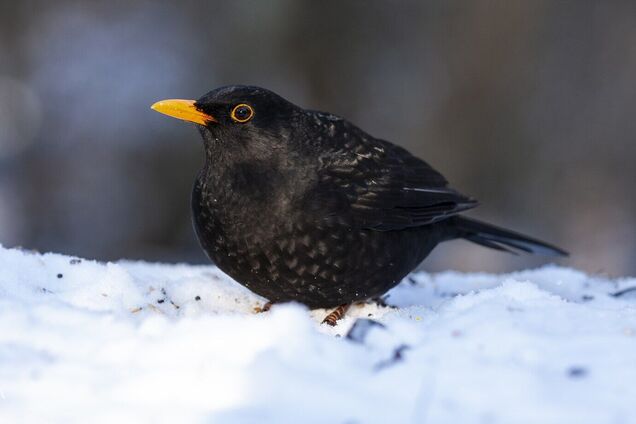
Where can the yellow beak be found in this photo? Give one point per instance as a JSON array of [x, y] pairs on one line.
[[183, 109]]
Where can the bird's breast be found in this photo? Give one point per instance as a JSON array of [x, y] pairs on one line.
[[247, 199]]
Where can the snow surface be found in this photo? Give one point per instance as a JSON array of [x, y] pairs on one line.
[[84, 341]]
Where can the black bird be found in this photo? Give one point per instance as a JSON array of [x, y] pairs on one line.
[[300, 205]]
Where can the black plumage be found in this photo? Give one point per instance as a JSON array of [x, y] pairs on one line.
[[299, 205]]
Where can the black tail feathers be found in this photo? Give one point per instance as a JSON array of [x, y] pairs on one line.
[[500, 239]]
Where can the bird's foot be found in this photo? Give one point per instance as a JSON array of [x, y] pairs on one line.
[[336, 315], [260, 309]]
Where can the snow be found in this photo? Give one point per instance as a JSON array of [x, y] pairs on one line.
[[84, 341]]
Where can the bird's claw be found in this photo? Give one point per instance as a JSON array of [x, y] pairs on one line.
[[336, 315]]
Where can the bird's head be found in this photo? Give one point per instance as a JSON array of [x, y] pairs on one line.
[[237, 117]]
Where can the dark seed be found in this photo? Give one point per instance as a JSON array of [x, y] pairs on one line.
[[624, 291], [398, 356], [361, 328], [577, 372], [59, 276], [197, 298]]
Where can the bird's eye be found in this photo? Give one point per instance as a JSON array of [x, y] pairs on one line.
[[242, 113]]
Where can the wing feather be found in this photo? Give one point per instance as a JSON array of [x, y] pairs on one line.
[[387, 188]]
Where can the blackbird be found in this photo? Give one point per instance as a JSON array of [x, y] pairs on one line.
[[300, 205]]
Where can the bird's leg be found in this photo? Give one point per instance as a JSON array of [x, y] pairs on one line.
[[337, 314], [266, 307]]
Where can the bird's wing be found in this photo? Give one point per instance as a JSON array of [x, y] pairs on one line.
[[383, 187]]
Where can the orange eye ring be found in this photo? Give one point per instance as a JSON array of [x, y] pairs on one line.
[[242, 113]]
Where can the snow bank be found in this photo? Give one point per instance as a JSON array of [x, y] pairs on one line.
[[87, 341]]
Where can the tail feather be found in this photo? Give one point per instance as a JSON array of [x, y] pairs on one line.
[[501, 239]]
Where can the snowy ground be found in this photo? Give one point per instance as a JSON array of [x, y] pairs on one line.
[[82, 341]]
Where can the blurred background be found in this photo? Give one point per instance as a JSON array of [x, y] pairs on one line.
[[527, 106]]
